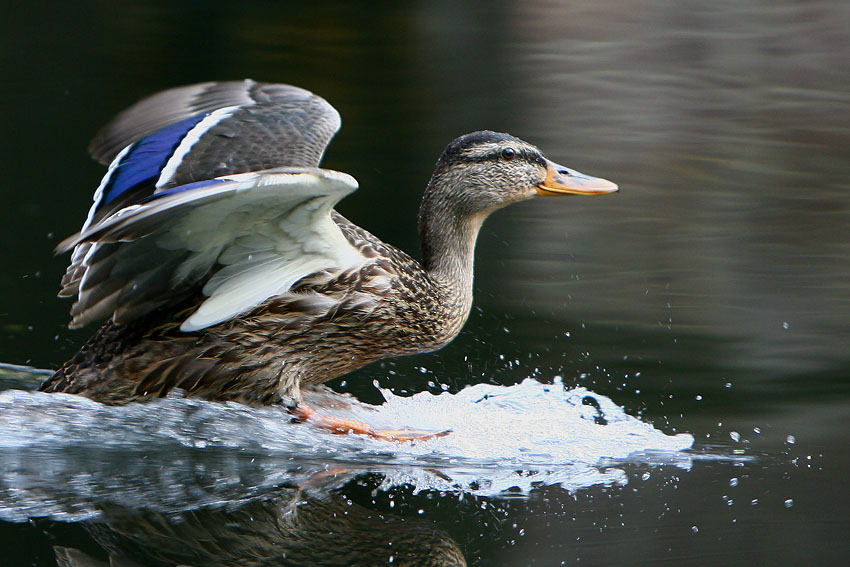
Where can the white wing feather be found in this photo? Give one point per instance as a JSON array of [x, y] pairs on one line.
[[244, 237]]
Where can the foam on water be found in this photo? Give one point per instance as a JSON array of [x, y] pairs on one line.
[[526, 424], [60, 455]]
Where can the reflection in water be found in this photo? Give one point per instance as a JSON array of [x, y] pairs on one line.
[[295, 527], [185, 481], [229, 507]]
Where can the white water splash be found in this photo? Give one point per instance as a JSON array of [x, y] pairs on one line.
[[526, 424], [62, 455]]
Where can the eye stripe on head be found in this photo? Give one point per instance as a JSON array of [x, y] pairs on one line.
[[488, 147], [483, 152]]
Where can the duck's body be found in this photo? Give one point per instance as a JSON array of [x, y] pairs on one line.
[[325, 326], [233, 281]]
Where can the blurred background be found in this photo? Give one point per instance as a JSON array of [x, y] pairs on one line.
[[711, 295]]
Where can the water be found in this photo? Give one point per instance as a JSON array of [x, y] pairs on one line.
[[709, 298], [502, 441]]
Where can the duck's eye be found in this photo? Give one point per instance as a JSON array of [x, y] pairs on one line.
[[508, 153]]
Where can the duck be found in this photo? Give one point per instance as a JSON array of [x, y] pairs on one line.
[[213, 251]]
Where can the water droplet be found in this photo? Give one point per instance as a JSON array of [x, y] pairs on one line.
[[789, 503], [785, 325], [695, 529], [699, 398], [756, 430], [754, 502], [733, 481], [735, 436], [790, 439]]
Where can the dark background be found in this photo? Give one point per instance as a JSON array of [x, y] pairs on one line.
[[712, 294]]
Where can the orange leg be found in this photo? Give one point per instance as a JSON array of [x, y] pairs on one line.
[[303, 412]]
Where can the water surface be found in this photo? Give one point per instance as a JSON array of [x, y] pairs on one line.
[[709, 298]]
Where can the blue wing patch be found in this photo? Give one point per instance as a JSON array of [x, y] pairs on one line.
[[144, 162]]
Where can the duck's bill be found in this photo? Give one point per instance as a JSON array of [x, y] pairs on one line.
[[562, 180]]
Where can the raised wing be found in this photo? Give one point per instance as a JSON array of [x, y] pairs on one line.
[[304, 123], [177, 138], [244, 237], [208, 130]]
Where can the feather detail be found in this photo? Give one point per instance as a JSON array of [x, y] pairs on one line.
[[241, 239]]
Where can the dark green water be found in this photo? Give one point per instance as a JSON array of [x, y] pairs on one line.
[[710, 296]]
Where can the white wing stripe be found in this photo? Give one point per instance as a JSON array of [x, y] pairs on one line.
[[190, 139], [98, 194]]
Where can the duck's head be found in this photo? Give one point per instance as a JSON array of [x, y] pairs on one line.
[[484, 171]]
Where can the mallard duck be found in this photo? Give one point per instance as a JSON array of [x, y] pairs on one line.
[[213, 247]]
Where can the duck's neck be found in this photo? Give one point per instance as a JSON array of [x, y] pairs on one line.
[[448, 237]]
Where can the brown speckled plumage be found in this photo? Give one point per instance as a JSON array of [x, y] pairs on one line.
[[391, 307], [330, 321]]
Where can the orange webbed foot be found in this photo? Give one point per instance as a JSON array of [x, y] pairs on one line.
[[339, 425]]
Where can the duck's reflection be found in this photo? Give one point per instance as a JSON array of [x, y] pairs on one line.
[[304, 527]]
